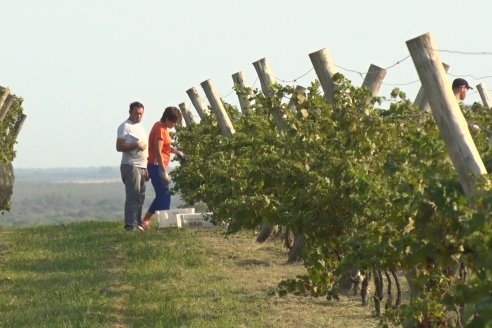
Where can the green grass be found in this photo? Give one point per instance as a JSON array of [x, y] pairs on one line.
[[93, 274]]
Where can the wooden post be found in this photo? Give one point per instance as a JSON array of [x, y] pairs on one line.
[[265, 75], [6, 185], [18, 126], [218, 108], [6, 93], [374, 78], [6, 107], [298, 97], [240, 82], [421, 98], [484, 94], [186, 114], [325, 69], [197, 102], [448, 115]]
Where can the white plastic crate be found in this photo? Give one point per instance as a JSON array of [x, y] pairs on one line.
[[195, 220], [169, 218]]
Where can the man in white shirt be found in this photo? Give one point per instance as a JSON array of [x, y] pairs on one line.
[[132, 142]]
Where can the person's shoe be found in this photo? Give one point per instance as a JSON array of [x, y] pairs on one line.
[[146, 225], [141, 227]]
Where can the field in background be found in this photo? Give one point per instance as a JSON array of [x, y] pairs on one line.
[[59, 196]]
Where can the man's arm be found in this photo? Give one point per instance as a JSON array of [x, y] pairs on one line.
[[122, 146]]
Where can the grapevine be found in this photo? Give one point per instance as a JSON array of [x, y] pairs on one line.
[[367, 188]]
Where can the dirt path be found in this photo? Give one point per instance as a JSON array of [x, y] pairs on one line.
[[258, 268]]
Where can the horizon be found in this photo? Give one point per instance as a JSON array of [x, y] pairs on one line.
[[117, 166]]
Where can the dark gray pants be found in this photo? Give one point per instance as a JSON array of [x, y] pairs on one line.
[[134, 179]]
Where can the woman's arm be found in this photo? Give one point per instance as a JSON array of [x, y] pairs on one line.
[[158, 144], [178, 153]]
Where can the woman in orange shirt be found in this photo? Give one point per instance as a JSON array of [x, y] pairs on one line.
[[160, 149]]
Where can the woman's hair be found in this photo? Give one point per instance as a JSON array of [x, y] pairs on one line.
[[171, 113]]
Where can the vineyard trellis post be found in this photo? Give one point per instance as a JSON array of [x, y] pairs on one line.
[[6, 185], [218, 108], [325, 69], [421, 98], [6, 106], [266, 78], [265, 75], [374, 79], [197, 102], [298, 97], [448, 115], [484, 94], [5, 94], [18, 126], [186, 114], [240, 82]]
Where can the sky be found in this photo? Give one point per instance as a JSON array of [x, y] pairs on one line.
[[78, 64]]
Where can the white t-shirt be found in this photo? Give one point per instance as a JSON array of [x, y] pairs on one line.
[[133, 133]]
